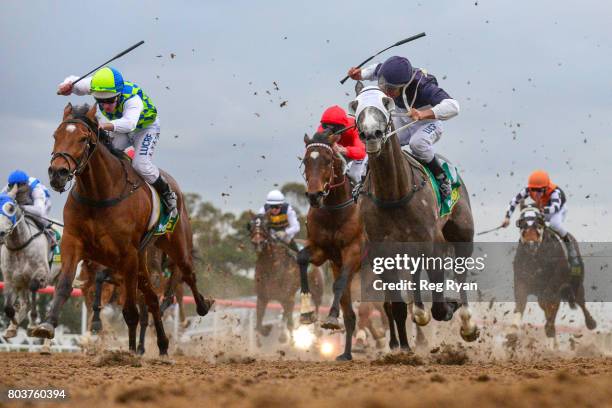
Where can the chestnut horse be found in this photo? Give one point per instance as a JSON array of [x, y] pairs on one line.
[[276, 276], [106, 216], [335, 232], [541, 269], [398, 204]]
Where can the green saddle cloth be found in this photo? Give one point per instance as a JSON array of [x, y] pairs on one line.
[[452, 173], [167, 221]]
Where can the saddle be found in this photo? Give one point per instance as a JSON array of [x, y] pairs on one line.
[[425, 174]]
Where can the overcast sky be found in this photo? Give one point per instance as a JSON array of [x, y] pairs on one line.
[[532, 79]]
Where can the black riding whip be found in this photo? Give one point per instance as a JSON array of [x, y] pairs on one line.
[[404, 41]]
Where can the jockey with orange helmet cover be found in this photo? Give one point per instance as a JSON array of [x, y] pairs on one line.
[[551, 200], [132, 120], [350, 146]]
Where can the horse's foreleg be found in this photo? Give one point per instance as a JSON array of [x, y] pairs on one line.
[[130, 274], [262, 303], [341, 278], [420, 316], [590, 323], [393, 342], [550, 311], [520, 298], [400, 313], [152, 304], [144, 322], [71, 253], [349, 324], [96, 323], [306, 256]]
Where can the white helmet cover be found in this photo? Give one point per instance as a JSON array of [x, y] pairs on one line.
[[275, 197]]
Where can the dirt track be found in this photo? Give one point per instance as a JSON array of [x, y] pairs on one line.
[[192, 382]]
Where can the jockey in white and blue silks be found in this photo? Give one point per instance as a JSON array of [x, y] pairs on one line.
[[416, 94], [32, 195], [282, 219]]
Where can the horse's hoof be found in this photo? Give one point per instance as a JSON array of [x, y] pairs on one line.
[[10, 333], [380, 343], [45, 351], [30, 331], [140, 350], [283, 337], [470, 336], [204, 306], [44, 331], [591, 324], [421, 317], [331, 323], [96, 326], [344, 357], [265, 330], [308, 318]]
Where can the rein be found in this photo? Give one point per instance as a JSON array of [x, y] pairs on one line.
[[25, 244]]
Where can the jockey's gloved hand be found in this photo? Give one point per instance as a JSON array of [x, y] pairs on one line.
[[506, 222], [354, 73], [281, 235]]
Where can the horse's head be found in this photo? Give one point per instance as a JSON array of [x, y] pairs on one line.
[[372, 110], [9, 213], [75, 141], [258, 228], [531, 224], [319, 165]]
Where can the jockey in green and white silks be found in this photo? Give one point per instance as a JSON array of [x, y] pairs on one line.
[[131, 119]]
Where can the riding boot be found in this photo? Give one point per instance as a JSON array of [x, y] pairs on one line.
[[443, 181], [165, 192], [575, 263], [293, 245]]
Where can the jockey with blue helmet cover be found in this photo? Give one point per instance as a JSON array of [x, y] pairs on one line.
[[282, 219], [416, 94], [132, 120], [31, 195]]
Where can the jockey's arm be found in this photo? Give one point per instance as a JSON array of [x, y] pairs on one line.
[[38, 202], [294, 224], [132, 108], [83, 87], [555, 203], [355, 149], [522, 195]]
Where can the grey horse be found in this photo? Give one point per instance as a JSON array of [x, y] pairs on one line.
[[24, 263], [398, 205]]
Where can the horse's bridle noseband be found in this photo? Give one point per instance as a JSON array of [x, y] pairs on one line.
[[91, 147]]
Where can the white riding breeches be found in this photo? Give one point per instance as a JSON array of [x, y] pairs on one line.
[[420, 137], [556, 221], [356, 169], [144, 142]]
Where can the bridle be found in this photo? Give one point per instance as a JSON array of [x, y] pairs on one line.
[[91, 148], [329, 184], [537, 222], [258, 228]]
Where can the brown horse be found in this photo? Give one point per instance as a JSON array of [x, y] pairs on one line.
[[398, 204], [335, 231], [106, 217], [276, 276], [541, 269]]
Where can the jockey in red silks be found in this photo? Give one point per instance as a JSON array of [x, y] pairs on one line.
[[349, 146]]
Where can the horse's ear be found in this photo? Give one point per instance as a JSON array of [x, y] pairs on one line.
[[91, 113], [67, 111], [306, 138], [352, 107], [12, 192], [388, 103], [358, 87]]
